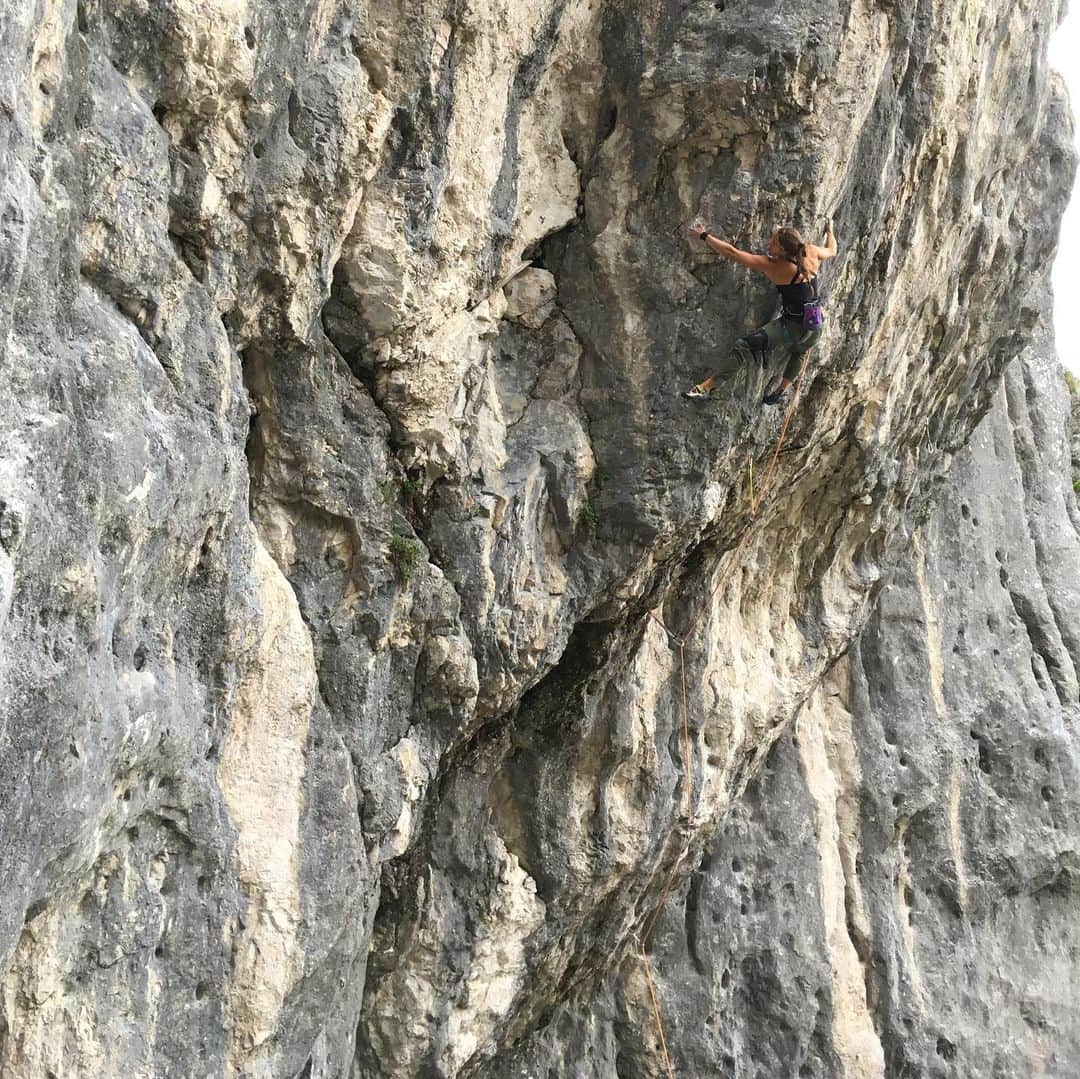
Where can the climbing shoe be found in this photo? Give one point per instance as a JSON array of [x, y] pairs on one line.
[[775, 397], [696, 393]]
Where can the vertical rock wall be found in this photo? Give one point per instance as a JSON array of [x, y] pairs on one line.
[[342, 466], [896, 894]]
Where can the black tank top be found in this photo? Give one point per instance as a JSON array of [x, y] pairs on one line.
[[794, 295]]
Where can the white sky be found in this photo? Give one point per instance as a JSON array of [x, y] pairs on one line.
[[1065, 56]]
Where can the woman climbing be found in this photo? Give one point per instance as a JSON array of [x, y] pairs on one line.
[[792, 267]]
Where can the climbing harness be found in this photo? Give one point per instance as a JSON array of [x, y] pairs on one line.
[[687, 777]]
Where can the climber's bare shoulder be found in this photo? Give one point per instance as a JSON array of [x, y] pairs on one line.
[[780, 271]]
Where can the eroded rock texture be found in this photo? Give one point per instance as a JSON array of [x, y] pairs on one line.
[[342, 465], [1074, 391], [896, 892]]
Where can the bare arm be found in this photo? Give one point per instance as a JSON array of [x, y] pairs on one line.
[[761, 263], [829, 249]]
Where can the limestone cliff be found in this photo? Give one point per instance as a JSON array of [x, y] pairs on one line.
[[896, 892], [1074, 395], [346, 494]]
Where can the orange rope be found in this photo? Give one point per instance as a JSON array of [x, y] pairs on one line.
[[685, 725], [656, 1012], [687, 778]]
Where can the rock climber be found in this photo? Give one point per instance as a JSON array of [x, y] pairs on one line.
[[792, 266]]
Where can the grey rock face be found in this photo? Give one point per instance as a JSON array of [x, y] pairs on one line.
[[976, 865], [896, 893], [1075, 399], [343, 465]]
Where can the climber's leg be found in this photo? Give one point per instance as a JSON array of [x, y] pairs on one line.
[[754, 346], [803, 342], [800, 342]]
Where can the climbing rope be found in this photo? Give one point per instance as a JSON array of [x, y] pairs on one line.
[[687, 777]]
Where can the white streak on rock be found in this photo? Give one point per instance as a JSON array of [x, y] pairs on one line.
[[830, 767], [261, 770]]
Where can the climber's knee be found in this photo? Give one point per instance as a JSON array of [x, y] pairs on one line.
[[755, 344]]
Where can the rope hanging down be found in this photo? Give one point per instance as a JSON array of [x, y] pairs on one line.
[[687, 776]]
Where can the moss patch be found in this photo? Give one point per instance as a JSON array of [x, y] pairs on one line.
[[405, 556]]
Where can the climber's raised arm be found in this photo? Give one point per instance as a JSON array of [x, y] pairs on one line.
[[829, 249], [761, 263]]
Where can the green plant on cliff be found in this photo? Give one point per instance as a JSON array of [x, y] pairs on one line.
[[1073, 383], [587, 516], [394, 490], [405, 555]]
